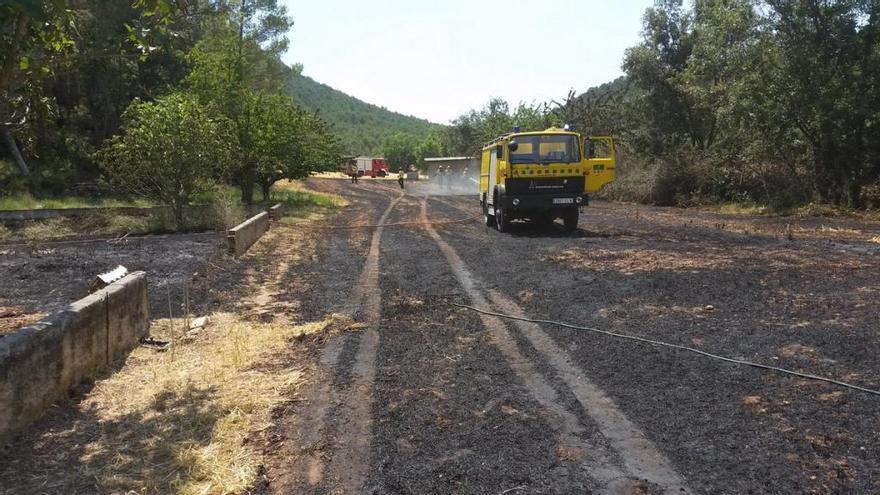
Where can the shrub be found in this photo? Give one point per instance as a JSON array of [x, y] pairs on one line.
[[171, 150], [871, 196], [44, 230], [11, 180], [226, 209]]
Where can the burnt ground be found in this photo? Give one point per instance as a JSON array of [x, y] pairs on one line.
[[459, 403], [689, 278], [47, 277], [449, 415]]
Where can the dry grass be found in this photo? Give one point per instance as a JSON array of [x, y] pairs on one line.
[[641, 260], [323, 199], [14, 317], [44, 230], [27, 202], [303, 205], [740, 209], [203, 400], [179, 421]]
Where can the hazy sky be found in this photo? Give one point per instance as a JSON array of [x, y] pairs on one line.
[[437, 59]]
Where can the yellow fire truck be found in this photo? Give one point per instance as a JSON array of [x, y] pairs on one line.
[[542, 176]]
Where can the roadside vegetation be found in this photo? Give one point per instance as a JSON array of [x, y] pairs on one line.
[[767, 104], [25, 201], [185, 96], [216, 209]]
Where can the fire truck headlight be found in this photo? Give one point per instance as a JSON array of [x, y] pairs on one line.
[[515, 201]]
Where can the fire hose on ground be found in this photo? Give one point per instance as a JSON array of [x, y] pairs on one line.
[[674, 346]]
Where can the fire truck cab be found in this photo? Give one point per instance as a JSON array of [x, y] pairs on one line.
[[542, 176]]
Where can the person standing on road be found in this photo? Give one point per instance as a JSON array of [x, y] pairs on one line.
[[400, 177]]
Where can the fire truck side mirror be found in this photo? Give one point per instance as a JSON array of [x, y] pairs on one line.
[[513, 145]]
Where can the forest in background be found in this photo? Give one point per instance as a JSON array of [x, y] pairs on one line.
[[161, 99], [362, 127], [773, 103]]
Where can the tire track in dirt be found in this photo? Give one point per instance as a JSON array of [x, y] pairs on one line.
[[332, 433], [349, 463], [641, 458]]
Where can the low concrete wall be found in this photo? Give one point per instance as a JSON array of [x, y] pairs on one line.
[[244, 235], [276, 212], [42, 363]]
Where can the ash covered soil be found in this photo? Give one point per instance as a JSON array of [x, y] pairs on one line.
[[450, 416], [37, 280], [731, 285]]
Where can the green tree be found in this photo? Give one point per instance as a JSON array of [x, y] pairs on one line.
[[430, 147], [360, 126], [69, 69], [656, 66], [399, 151], [287, 142], [234, 63], [469, 132], [828, 86], [32, 33], [170, 150]]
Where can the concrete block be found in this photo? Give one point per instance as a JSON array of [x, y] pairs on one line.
[[128, 315], [42, 363], [244, 235], [276, 212]]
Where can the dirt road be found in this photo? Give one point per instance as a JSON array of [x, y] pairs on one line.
[[406, 391], [425, 397]]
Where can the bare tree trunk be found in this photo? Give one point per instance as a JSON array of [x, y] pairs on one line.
[[9, 64], [247, 189], [14, 151], [266, 189]]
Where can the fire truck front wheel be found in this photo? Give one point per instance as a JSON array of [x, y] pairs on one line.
[[487, 218], [502, 219]]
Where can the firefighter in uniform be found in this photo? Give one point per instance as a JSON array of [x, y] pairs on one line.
[[400, 177]]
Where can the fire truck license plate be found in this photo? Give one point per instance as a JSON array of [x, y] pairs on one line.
[[563, 201]]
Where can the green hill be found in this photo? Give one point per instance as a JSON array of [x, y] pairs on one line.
[[361, 126]]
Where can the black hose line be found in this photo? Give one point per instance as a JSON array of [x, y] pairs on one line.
[[674, 346]]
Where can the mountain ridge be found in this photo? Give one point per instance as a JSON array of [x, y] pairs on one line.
[[362, 126]]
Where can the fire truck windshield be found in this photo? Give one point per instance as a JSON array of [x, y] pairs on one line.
[[547, 148]]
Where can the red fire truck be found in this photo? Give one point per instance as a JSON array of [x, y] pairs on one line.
[[372, 167]]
